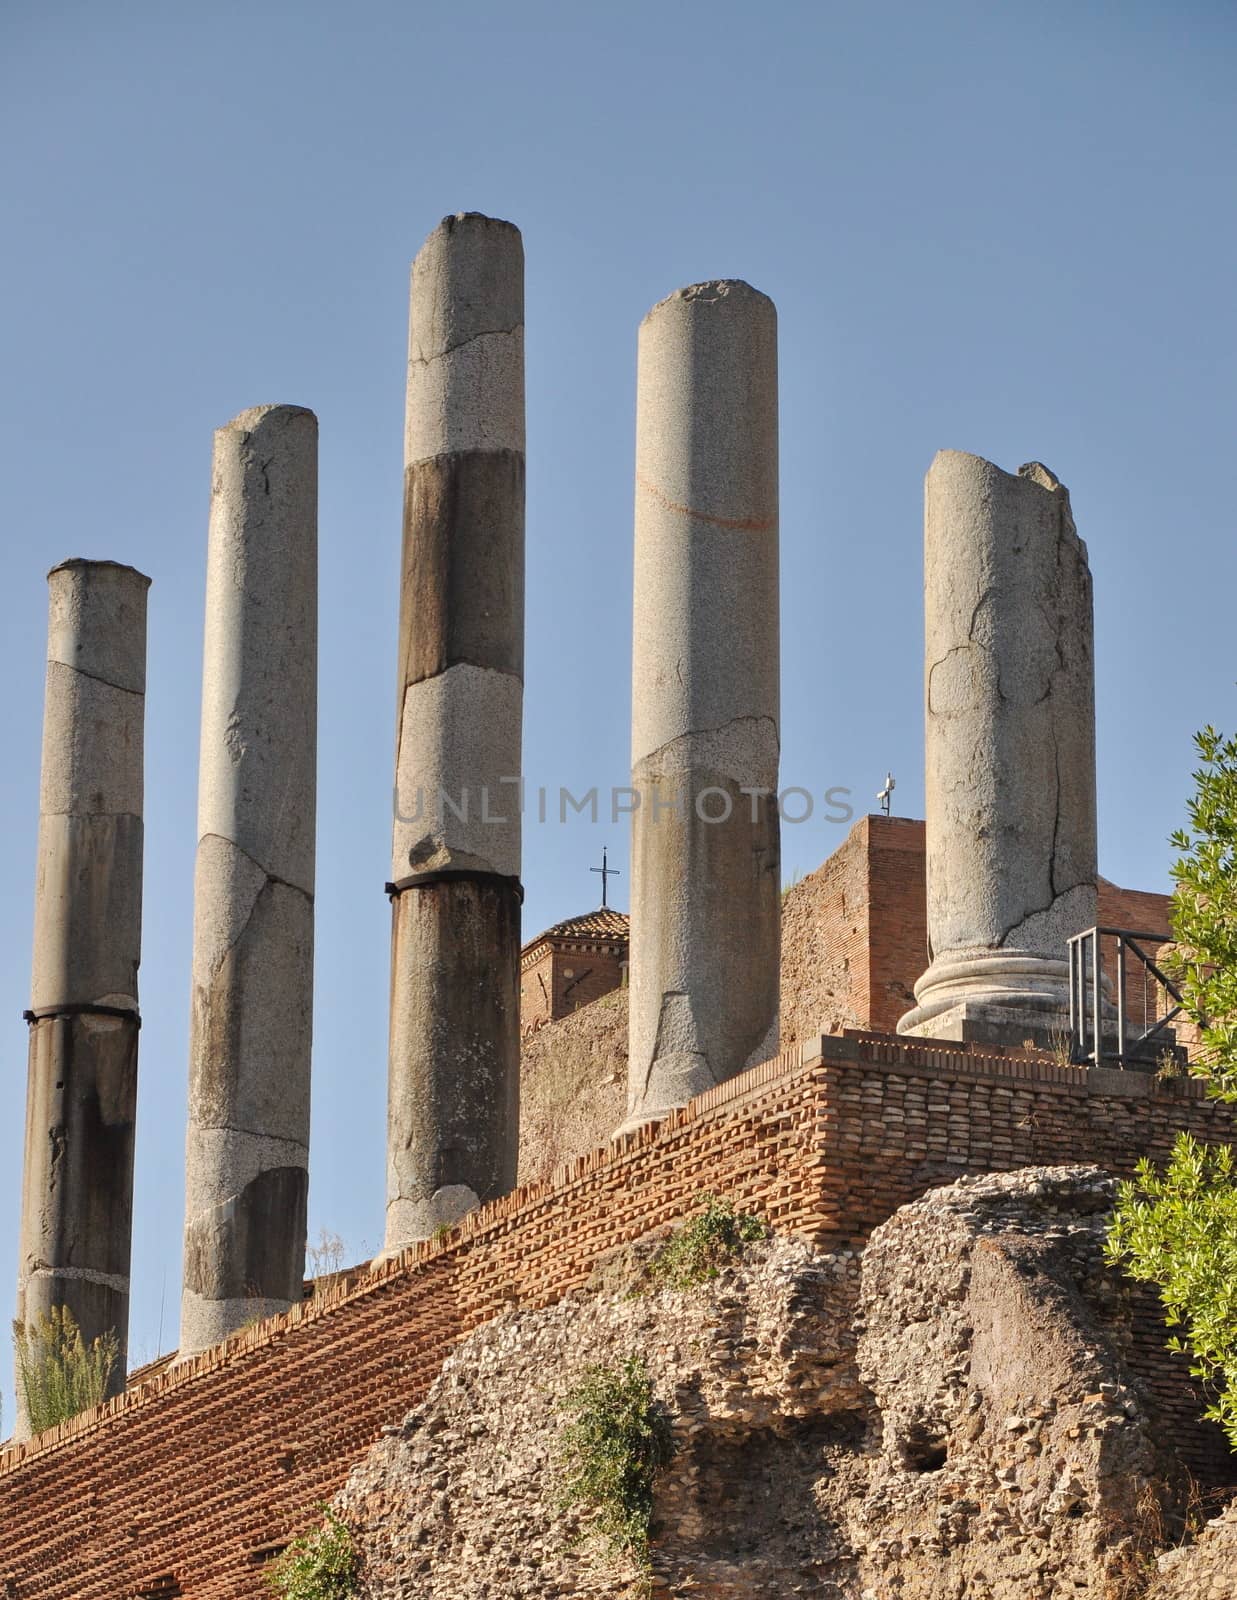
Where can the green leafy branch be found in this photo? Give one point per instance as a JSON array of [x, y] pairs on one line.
[[1178, 1230], [610, 1452], [1204, 917]]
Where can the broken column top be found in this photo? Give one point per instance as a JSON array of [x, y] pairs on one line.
[[714, 291], [466, 340], [706, 570], [964, 464], [974, 478], [251, 419], [707, 419], [84, 563], [97, 621], [457, 218]]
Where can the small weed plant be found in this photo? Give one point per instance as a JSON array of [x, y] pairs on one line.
[[321, 1565], [58, 1373], [324, 1259], [1169, 1067], [617, 1439], [696, 1252]]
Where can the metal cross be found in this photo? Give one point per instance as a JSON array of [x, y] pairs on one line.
[[606, 872]]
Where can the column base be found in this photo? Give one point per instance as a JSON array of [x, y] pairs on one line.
[[1009, 980], [983, 1023]]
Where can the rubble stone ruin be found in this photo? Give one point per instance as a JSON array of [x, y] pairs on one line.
[[705, 853], [1009, 732], [77, 1192], [247, 1154], [453, 1085]]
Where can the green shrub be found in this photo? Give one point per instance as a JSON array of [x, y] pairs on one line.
[[698, 1250], [610, 1452], [58, 1374], [321, 1565], [1178, 1229], [1204, 912]]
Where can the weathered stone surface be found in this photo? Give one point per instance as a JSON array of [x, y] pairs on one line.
[[705, 706], [463, 1499], [454, 1087], [453, 811], [463, 564], [950, 1416], [466, 340], [454, 1041], [1010, 738], [1015, 1456], [1203, 1570], [88, 921], [240, 1242], [573, 1084], [252, 1008], [259, 680], [254, 958], [77, 1198]]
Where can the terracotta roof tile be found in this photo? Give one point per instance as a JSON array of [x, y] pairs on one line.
[[604, 923]]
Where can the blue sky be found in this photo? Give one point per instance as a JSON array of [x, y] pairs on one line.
[[1002, 228]]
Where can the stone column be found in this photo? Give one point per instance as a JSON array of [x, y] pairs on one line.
[[453, 1104], [706, 901], [1010, 749], [246, 1175], [77, 1198]]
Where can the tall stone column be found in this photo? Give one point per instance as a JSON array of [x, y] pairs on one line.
[[77, 1197], [247, 1155], [453, 1103], [706, 901], [1010, 749]]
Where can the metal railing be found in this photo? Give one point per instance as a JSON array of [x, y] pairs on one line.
[[1088, 1009]]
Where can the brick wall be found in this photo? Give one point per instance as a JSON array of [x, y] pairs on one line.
[[563, 976], [825, 942], [855, 934], [537, 990], [197, 1476], [898, 938]]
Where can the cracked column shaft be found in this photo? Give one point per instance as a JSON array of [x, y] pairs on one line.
[[247, 1152], [705, 909], [453, 1088], [77, 1199], [1009, 741]]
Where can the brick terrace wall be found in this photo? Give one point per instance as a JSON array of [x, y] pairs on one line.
[[200, 1473]]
